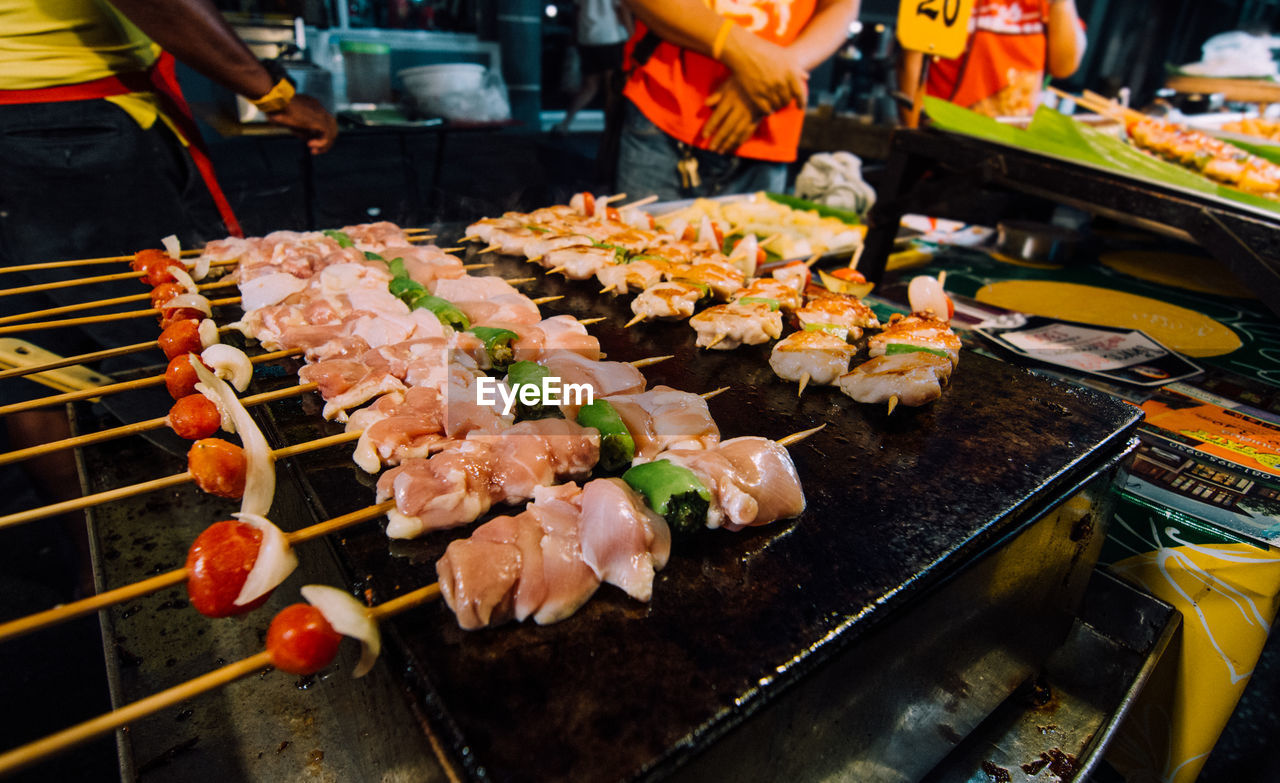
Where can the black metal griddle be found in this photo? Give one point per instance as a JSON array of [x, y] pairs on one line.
[[949, 515]]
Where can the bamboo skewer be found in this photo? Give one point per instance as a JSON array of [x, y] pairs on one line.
[[118, 718], [139, 427], [652, 360], [100, 303], [129, 592], [545, 299], [647, 200], [86, 262], [140, 383], [84, 357], [97, 319], [141, 488], [30, 289]]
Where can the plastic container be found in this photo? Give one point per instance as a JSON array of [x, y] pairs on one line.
[[368, 71]]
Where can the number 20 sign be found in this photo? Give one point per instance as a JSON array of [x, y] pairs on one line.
[[937, 27]]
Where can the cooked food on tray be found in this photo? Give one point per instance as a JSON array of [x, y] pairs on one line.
[[1218, 160], [792, 232], [1254, 126]]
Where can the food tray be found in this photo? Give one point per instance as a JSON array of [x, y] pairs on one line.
[[898, 507]]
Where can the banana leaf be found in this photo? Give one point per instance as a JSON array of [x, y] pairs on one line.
[[1057, 135]]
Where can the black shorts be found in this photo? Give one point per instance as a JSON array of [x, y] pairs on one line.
[[598, 59], [80, 179]]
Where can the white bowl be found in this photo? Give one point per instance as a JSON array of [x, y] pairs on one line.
[[430, 80]]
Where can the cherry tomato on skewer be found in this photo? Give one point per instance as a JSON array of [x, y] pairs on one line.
[[301, 641], [180, 377], [173, 315], [194, 417], [849, 274], [218, 563], [218, 467], [144, 259], [162, 293], [181, 338]]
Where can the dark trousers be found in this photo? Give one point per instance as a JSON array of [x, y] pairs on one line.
[[80, 179]]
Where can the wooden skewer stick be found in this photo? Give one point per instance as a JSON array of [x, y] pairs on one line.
[[65, 612], [416, 230], [796, 437], [614, 197], [633, 322], [108, 722], [97, 319], [469, 267], [535, 260], [640, 202], [815, 259], [71, 308], [715, 393], [942, 278], [857, 256], [28, 289], [893, 403], [608, 288], [452, 249], [719, 338], [141, 488], [140, 383], [769, 240], [519, 280], [590, 321], [804, 381], [553, 270], [195, 251], [139, 427], [81, 359], [489, 249], [652, 360], [545, 299]]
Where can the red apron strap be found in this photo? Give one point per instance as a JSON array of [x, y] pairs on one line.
[[164, 80]]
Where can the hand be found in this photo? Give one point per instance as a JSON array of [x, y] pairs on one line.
[[732, 121], [767, 73], [309, 121]]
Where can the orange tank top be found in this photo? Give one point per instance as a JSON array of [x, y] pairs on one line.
[[672, 86], [1002, 70]]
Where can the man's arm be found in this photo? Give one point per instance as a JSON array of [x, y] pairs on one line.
[[195, 32], [768, 73], [1066, 39], [825, 33]]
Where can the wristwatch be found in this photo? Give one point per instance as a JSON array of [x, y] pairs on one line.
[[278, 97]]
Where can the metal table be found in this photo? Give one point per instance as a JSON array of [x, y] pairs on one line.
[[926, 167]]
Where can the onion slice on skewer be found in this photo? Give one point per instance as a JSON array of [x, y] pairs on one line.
[[193, 301], [274, 563], [230, 364], [260, 481], [348, 617], [208, 332], [182, 278], [172, 246]]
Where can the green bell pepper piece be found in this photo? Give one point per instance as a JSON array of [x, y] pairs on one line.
[[497, 343], [531, 374], [673, 491], [773, 303], [446, 311], [895, 348], [337, 236], [617, 447]]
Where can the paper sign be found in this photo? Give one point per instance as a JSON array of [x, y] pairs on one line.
[[937, 27], [1124, 355]]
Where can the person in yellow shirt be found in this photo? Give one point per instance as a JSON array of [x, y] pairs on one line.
[[99, 156]]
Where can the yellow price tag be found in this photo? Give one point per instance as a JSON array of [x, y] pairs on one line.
[[937, 27]]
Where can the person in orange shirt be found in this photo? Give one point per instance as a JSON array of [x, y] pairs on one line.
[[716, 93], [1012, 44]]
